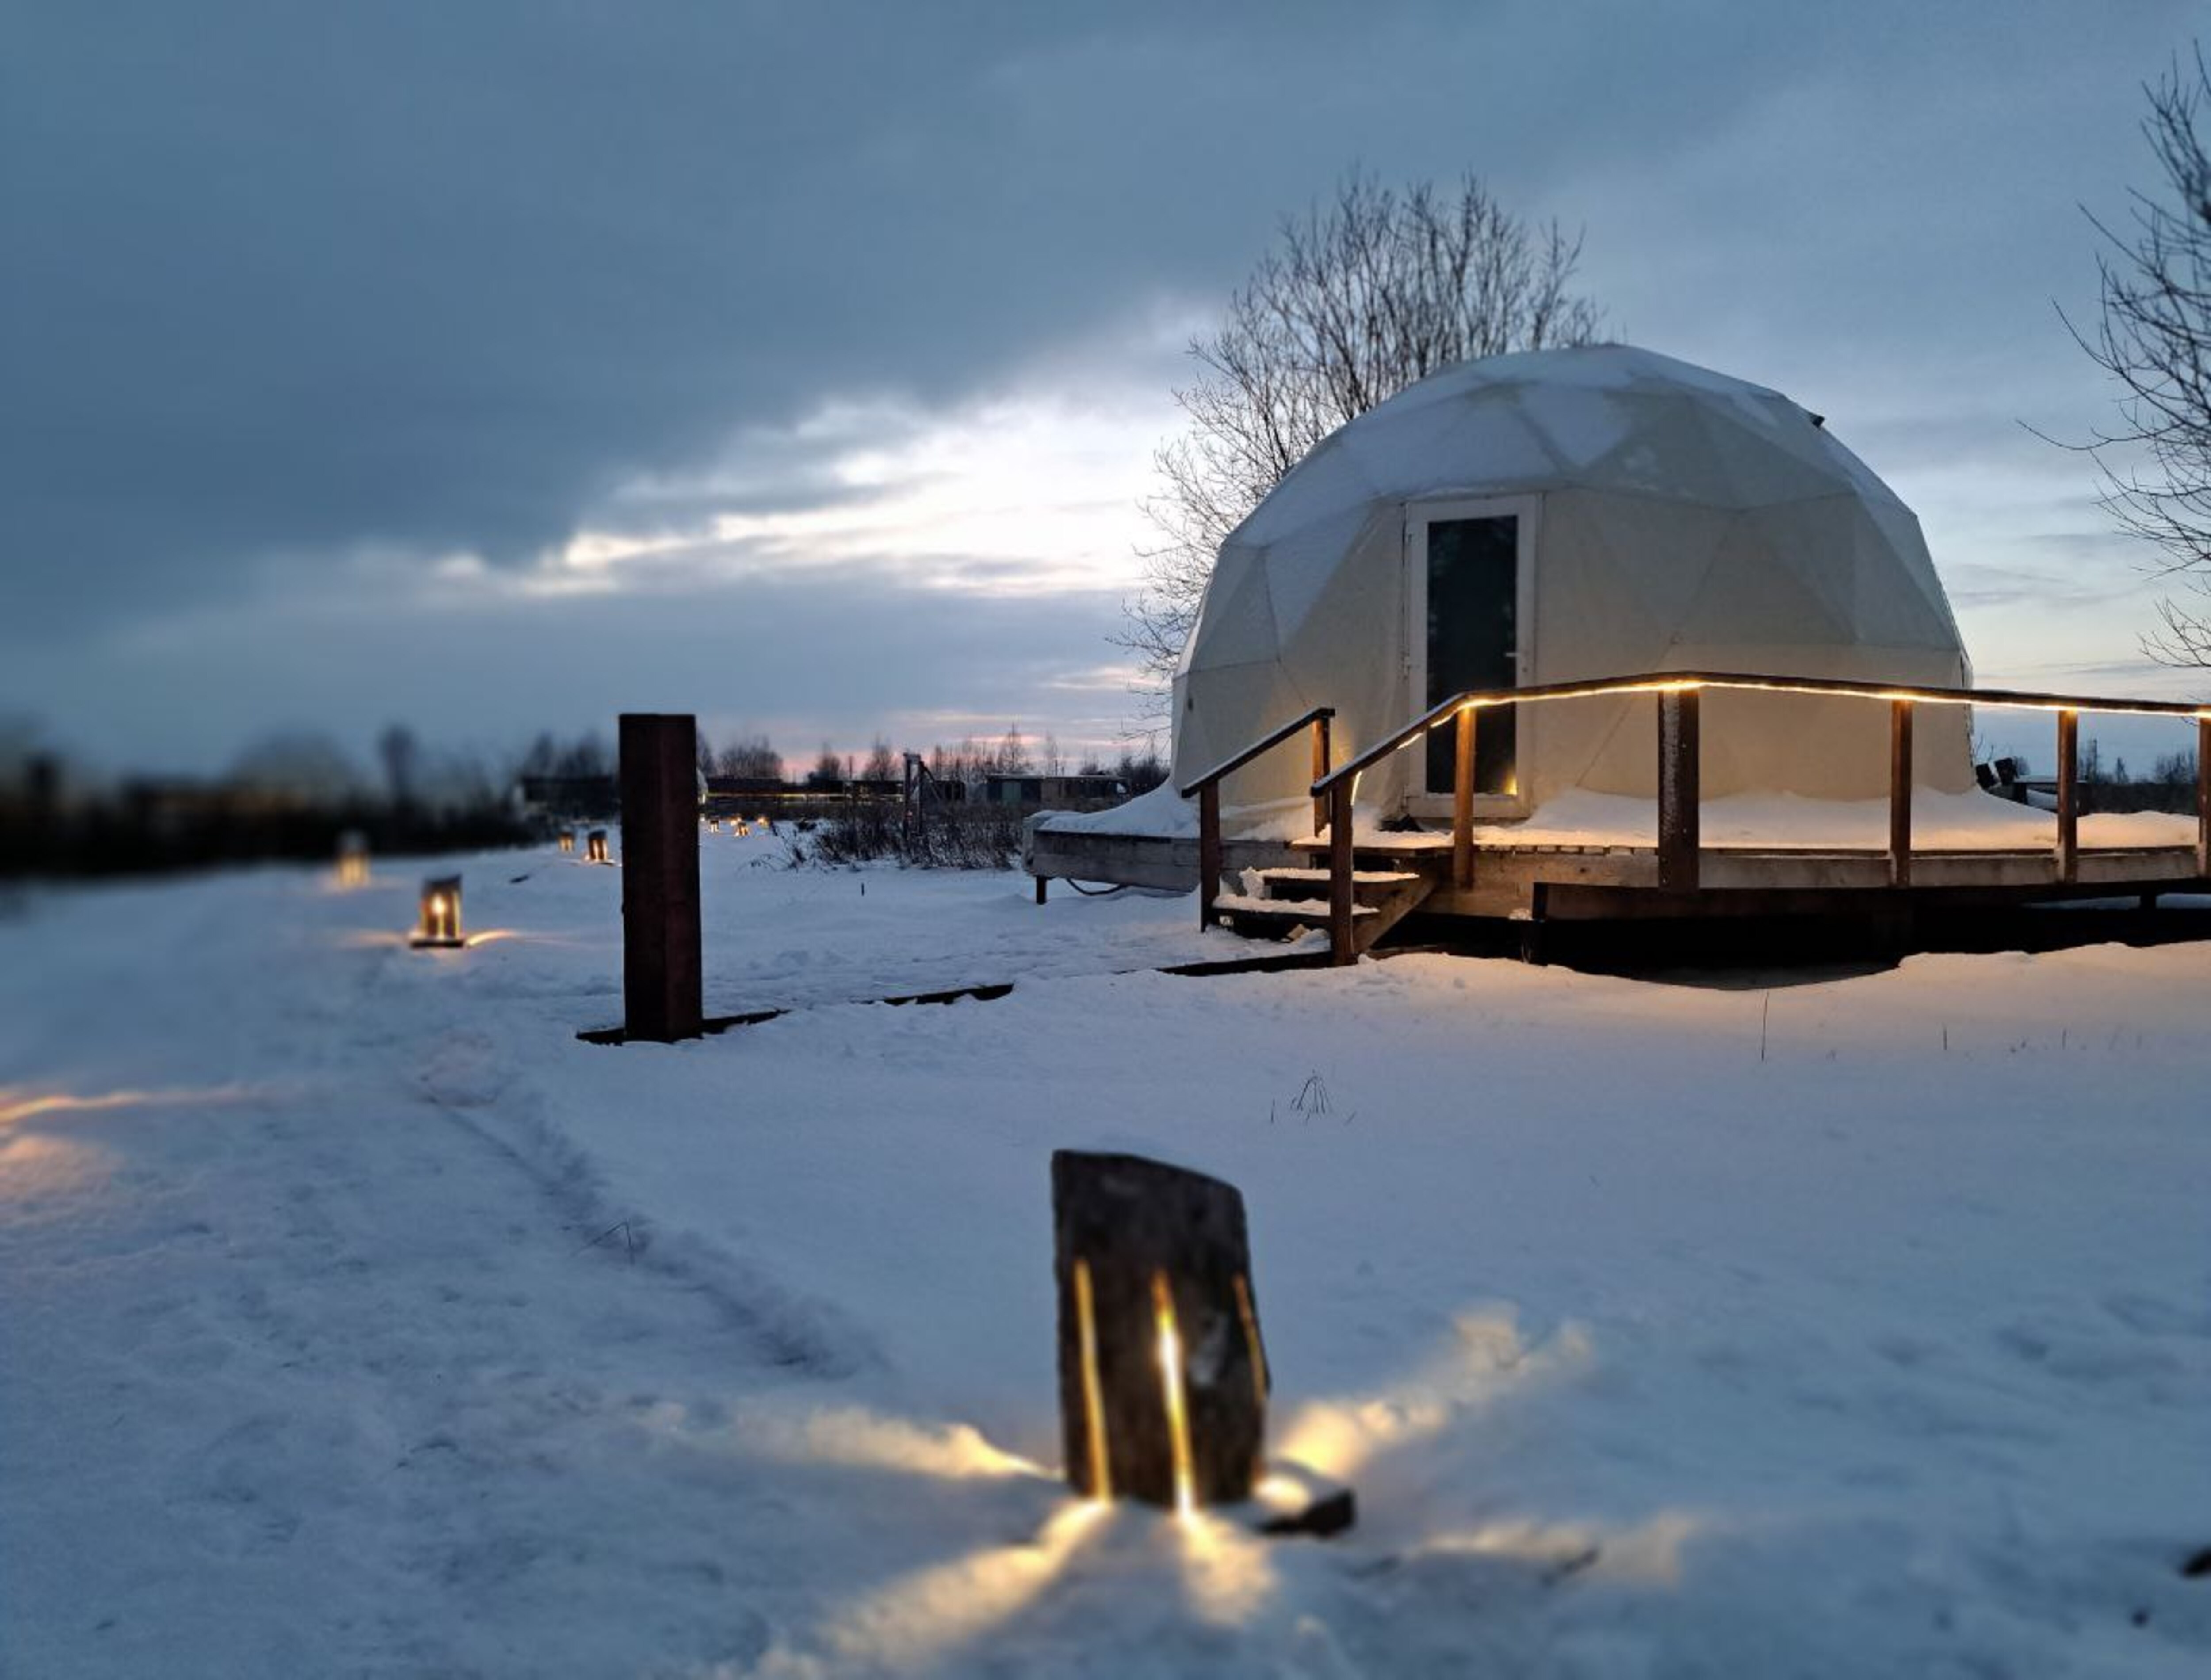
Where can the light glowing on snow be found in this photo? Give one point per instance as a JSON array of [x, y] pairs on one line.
[[859, 1438], [1487, 1359], [1649, 1552], [16, 1106], [918, 1619]]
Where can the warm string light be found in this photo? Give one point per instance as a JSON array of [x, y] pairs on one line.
[[1171, 1384], [1093, 1396], [1664, 684]]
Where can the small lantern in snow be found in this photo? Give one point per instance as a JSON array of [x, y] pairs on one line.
[[440, 926], [353, 858], [595, 847], [1163, 1378], [568, 840]]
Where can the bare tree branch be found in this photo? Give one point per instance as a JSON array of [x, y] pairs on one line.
[[2154, 338], [1358, 299]]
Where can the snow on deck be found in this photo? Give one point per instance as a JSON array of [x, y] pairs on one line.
[[358, 1320], [1786, 822]]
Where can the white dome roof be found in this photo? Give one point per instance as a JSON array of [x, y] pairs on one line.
[[1608, 417], [1686, 521]]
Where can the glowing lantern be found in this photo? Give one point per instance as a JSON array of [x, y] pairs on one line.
[[1163, 1379], [568, 840], [439, 928], [353, 858], [595, 847]]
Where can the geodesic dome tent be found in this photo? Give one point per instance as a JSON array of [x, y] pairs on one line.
[[1562, 515]]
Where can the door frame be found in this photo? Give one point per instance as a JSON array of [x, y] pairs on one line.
[[1528, 511]]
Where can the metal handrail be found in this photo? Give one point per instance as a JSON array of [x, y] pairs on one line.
[[1266, 743], [1660, 682]]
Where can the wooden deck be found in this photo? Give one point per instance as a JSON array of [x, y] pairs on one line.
[[1563, 882]]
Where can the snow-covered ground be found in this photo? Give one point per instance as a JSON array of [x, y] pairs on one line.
[[356, 1319]]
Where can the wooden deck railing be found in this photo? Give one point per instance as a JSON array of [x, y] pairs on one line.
[[1678, 740], [1208, 790]]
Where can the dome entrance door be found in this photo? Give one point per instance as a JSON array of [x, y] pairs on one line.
[[1470, 620]]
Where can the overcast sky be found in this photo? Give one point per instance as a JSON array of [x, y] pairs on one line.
[[495, 368]]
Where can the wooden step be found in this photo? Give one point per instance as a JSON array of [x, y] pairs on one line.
[[1385, 897], [1276, 919], [1395, 847], [1368, 886]]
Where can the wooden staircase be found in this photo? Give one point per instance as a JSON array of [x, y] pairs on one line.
[[1389, 883]]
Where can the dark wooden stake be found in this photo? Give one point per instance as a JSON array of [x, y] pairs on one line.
[[662, 955], [1341, 889], [1208, 852], [1130, 1234], [1462, 802], [1899, 793], [2068, 796], [1042, 888], [1678, 837]]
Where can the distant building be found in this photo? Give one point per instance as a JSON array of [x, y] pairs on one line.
[[1060, 790], [566, 796]]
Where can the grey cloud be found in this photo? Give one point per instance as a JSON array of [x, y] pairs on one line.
[[846, 652], [284, 281]]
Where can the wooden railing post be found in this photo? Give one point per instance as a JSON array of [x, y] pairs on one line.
[[1208, 852], [1320, 768], [2068, 796], [1462, 802], [1899, 793], [2203, 795], [1340, 887], [1678, 837]]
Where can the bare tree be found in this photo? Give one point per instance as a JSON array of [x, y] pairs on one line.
[[1358, 299], [882, 762], [299, 766], [1012, 756], [2154, 338], [401, 752], [751, 756]]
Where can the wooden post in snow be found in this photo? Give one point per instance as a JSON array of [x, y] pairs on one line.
[[1462, 802], [1899, 793], [1679, 835], [1208, 853], [2203, 795], [1162, 1375], [2068, 796], [662, 957], [1343, 889]]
